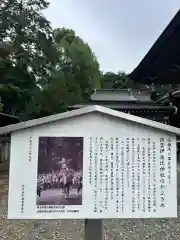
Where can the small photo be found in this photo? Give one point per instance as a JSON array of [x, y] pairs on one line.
[[60, 171]]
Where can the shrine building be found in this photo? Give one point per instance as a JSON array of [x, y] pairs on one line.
[[135, 102], [161, 64]]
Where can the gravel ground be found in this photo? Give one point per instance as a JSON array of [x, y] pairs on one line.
[[165, 229]]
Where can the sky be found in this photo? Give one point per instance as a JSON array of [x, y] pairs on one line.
[[119, 32]]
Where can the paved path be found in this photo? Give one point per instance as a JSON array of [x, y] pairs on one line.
[[162, 229]]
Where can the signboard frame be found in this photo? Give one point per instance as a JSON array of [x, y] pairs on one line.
[[102, 112]]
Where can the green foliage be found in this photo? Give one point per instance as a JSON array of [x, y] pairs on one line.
[[160, 90], [77, 62], [72, 79], [28, 58], [118, 80], [16, 87], [122, 81], [29, 33], [41, 71]]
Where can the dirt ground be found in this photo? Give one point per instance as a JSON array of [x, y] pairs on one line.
[[162, 229]]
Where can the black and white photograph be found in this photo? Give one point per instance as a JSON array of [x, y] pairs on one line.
[[60, 171]]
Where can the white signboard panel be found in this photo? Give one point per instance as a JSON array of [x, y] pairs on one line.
[[94, 168]]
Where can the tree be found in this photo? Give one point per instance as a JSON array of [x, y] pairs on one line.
[[42, 72], [29, 56], [77, 62], [73, 78], [118, 80], [51, 99], [108, 79], [24, 27], [158, 91]]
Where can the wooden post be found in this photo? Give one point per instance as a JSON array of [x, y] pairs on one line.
[[93, 229]]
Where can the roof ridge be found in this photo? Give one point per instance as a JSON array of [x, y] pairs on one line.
[[87, 110]]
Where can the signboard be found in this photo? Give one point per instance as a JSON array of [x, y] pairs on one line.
[[120, 174]]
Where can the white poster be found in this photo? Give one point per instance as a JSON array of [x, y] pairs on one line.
[[55, 177]]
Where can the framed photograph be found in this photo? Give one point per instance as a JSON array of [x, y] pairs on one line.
[[60, 171]]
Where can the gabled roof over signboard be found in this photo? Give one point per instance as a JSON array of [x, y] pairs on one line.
[[86, 110], [126, 106]]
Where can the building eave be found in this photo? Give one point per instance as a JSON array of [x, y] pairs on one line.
[[160, 64]]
